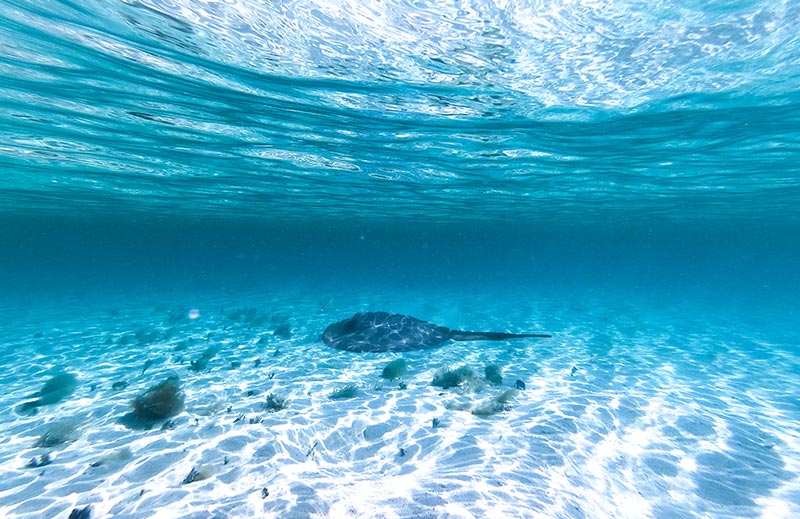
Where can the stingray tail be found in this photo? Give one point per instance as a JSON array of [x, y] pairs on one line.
[[459, 335]]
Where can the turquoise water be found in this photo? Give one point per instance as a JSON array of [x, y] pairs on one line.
[[208, 185]]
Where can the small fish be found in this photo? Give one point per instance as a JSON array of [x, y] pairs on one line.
[[313, 448], [147, 364]]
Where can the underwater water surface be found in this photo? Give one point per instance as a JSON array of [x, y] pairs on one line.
[[192, 191]]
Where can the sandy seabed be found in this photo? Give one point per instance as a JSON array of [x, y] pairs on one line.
[[629, 411]]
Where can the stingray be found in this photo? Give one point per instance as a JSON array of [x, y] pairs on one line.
[[382, 331]]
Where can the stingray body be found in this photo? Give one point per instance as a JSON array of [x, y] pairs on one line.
[[382, 331]]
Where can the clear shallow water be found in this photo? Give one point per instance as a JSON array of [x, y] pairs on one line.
[[624, 176]]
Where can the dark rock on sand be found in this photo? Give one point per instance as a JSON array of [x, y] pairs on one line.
[[81, 513], [56, 389], [39, 461], [501, 402], [198, 474], [394, 369], [59, 432], [448, 377]]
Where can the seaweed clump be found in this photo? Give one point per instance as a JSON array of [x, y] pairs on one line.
[[160, 402], [344, 392], [493, 374], [395, 369], [448, 377], [276, 403]]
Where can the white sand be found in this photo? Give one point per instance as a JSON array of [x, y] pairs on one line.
[[668, 414]]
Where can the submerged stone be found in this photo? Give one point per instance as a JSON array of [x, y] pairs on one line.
[[448, 377], [501, 402], [56, 389], [198, 474], [39, 461], [395, 369], [81, 513], [58, 432]]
